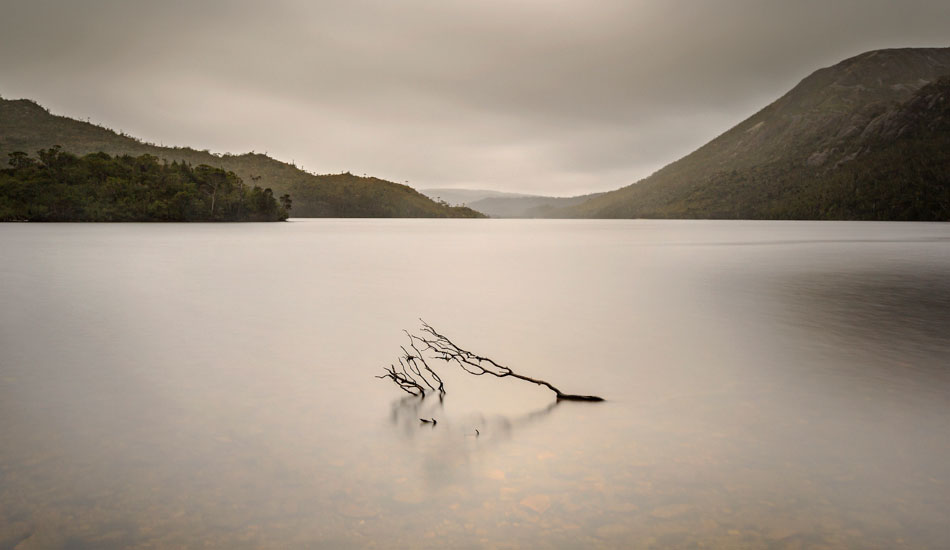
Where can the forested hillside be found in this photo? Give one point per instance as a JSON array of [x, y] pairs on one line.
[[61, 187], [26, 126]]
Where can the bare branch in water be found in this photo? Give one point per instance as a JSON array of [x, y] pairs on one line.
[[441, 347], [404, 380], [414, 375]]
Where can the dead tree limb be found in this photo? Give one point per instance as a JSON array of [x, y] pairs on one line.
[[413, 375], [404, 380], [441, 347], [419, 357]]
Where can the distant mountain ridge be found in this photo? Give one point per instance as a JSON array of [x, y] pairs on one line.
[[818, 152], [466, 196], [526, 207], [500, 204], [26, 126]]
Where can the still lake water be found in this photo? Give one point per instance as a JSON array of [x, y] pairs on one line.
[[769, 384]]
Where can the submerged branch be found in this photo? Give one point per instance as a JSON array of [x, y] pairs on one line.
[[405, 381], [414, 374], [441, 347]]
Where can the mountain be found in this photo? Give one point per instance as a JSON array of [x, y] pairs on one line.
[[28, 127], [526, 207], [499, 204], [864, 139], [466, 196]]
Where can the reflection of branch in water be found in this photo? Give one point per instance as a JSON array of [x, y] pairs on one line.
[[406, 412], [413, 407], [449, 448]]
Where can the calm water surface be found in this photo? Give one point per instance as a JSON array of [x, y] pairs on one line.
[[769, 384]]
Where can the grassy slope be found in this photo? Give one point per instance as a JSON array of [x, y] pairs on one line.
[[26, 126]]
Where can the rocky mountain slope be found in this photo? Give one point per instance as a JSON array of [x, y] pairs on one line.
[[794, 158]]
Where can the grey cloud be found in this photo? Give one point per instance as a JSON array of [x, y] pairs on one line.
[[538, 96]]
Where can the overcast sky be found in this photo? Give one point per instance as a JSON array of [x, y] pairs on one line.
[[544, 96]]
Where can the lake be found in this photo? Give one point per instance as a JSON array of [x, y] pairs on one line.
[[768, 385]]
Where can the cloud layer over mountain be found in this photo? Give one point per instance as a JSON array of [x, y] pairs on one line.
[[534, 96]]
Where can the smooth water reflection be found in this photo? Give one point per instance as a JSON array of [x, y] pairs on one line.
[[770, 385]]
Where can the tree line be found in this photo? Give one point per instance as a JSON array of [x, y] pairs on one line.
[[58, 186]]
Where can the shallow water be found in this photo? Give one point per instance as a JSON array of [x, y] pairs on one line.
[[769, 384]]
